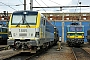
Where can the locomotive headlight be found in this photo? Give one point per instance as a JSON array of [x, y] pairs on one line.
[[9, 34], [37, 34], [68, 35], [83, 35]]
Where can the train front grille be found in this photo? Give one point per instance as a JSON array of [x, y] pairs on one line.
[[22, 34]]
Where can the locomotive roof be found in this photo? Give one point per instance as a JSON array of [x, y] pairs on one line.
[[27, 11], [75, 26], [24, 11]]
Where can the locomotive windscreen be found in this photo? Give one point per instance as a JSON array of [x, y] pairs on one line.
[[24, 18], [79, 29], [72, 29]]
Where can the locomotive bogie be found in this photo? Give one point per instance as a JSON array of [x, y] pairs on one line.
[[75, 42]]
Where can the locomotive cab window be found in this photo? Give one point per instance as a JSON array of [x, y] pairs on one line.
[[72, 29], [0, 29], [30, 19], [24, 19], [17, 19], [43, 21], [4, 30], [79, 29]]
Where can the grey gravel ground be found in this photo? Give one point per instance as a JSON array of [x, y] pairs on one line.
[[52, 54]]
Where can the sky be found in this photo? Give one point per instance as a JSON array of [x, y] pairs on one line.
[[9, 5]]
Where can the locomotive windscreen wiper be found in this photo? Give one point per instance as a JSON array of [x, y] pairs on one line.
[[27, 23], [18, 24], [23, 21]]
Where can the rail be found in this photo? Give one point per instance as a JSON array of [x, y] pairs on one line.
[[80, 54]]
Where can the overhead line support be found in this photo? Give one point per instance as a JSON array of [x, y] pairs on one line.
[[61, 6]]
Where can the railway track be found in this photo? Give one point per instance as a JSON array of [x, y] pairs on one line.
[[21, 56], [25, 56], [28, 55], [3, 47], [80, 54]]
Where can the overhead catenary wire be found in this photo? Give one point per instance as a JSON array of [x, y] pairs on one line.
[[80, 10], [55, 2], [75, 11], [40, 5], [7, 5], [13, 4], [62, 6], [21, 2], [76, 7], [47, 6], [44, 2]]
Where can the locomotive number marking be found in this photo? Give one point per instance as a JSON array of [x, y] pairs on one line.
[[22, 30]]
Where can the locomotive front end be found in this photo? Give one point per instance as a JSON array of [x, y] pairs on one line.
[[23, 30]]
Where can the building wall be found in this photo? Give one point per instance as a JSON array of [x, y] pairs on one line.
[[67, 16]]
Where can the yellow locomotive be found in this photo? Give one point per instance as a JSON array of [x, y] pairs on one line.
[[75, 34], [30, 31]]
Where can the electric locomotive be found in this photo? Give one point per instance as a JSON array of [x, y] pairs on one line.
[[75, 34], [29, 31], [3, 32]]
